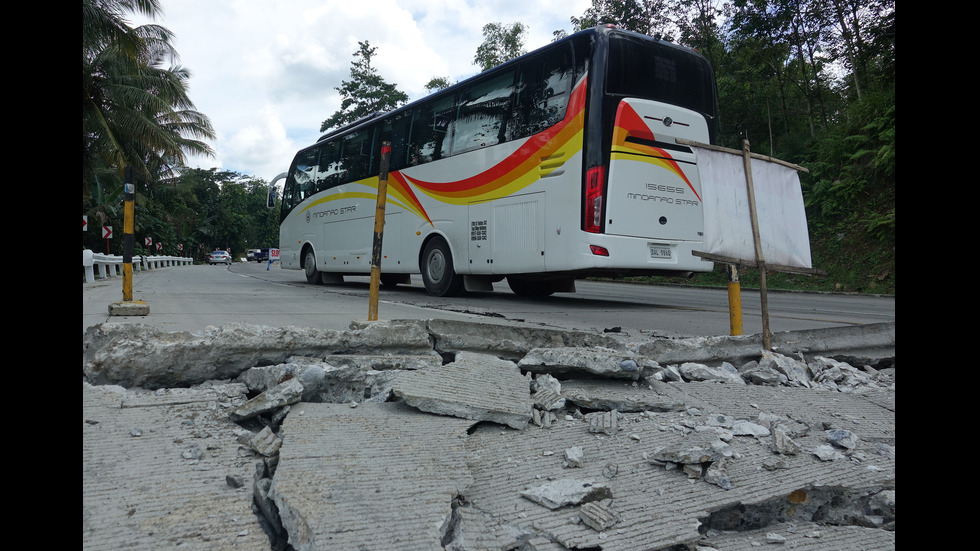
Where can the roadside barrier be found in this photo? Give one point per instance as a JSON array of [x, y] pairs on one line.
[[110, 265]]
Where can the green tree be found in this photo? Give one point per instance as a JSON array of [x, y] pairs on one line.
[[649, 17], [230, 212], [438, 83], [365, 93], [500, 44], [135, 110]]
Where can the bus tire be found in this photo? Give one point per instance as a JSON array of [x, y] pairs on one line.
[[438, 275], [530, 287], [309, 267]]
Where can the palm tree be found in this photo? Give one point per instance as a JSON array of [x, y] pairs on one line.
[[135, 111]]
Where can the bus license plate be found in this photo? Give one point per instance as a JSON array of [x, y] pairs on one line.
[[660, 252]]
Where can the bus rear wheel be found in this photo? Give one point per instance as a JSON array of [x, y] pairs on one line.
[[309, 267], [437, 270]]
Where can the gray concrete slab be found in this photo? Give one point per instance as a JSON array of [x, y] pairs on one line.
[[155, 468], [805, 536], [660, 507], [375, 476], [480, 387]]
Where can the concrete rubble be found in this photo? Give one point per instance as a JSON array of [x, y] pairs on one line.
[[433, 434]]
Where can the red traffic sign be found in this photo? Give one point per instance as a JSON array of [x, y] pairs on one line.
[[148, 241], [84, 223], [107, 232]]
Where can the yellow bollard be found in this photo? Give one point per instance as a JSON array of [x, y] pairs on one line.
[[128, 306], [128, 226], [734, 300]]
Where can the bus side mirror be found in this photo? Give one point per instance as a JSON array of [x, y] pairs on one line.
[[270, 201]]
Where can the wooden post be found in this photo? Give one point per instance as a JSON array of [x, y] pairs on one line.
[[379, 224], [759, 258]]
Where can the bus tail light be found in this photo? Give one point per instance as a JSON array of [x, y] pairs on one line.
[[599, 251], [595, 180]]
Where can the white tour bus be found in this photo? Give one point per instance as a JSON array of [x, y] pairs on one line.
[[558, 165]]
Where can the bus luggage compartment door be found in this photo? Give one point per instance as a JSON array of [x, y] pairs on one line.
[[507, 235], [653, 188]]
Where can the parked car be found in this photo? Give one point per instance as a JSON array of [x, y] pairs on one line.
[[262, 254], [250, 254], [219, 257]]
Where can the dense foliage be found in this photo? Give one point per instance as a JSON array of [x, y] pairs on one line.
[[201, 210]]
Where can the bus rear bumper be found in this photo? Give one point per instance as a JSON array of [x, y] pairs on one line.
[[639, 256]]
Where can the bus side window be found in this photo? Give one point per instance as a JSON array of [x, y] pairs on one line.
[[484, 111], [356, 155], [395, 130], [328, 169], [543, 92], [288, 191], [303, 175], [431, 125]]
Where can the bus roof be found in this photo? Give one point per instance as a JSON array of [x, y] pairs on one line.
[[599, 29]]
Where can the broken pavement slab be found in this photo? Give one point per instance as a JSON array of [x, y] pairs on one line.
[[155, 468], [593, 361], [567, 491], [654, 508], [137, 355], [475, 386], [378, 476], [657, 508]]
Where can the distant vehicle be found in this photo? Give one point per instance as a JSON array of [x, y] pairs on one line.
[[261, 255], [219, 257], [250, 254]]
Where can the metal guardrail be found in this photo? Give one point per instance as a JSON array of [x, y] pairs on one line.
[[110, 265]]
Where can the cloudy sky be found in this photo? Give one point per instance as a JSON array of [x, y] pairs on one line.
[[265, 71]]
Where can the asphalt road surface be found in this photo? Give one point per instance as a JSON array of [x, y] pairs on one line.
[[189, 298]]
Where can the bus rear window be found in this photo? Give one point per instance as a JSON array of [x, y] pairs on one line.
[[648, 70]]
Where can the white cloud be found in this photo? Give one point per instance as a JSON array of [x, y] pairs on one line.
[[265, 71]]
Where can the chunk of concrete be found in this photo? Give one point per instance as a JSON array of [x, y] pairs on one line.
[[796, 371], [289, 392], [597, 361], [692, 371], [475, 386], [598, 514], [605, 422], [566, 491], [548, 400], [266, 442], [698, 447]]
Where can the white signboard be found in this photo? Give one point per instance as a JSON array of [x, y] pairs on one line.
[[779, 210]]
